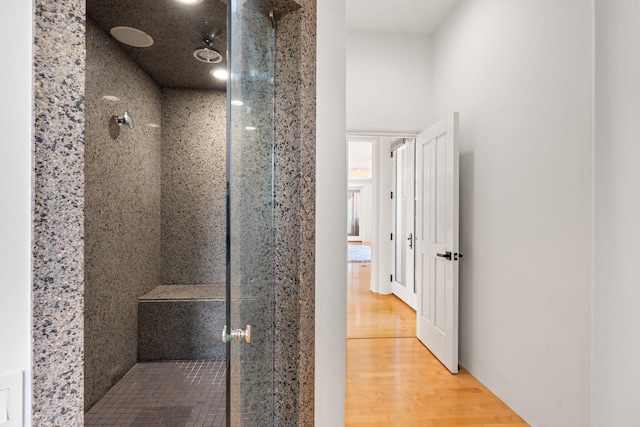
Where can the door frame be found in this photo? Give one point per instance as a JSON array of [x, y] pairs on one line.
[[381, 205], [407, 291]]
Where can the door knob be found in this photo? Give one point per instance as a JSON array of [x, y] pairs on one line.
[[446, 255], [237, 334], [410, 239]]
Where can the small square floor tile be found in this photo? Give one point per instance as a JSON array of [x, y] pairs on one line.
[[172, 394]]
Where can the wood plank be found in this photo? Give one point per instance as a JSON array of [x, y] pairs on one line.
[[393, 380], [375, 315]]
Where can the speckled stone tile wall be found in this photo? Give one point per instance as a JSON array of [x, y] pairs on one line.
[[193, 186], [295, 215], [307, 250], [287, 216], [122, 208], [187, 329], [58, 203]]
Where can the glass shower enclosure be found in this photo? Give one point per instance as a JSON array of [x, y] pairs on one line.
[[250, 280]]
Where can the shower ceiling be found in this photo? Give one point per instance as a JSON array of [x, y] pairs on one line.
[[177, 29]]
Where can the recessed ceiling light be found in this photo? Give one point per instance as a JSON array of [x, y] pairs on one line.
[[153, 125], [220, 73], [132, 36], [250, 128], [110, 98], [190, 1], [237, 102]]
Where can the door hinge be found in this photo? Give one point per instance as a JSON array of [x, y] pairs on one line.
[[391, 236], [392, 154], [392, 194], [391, 278]]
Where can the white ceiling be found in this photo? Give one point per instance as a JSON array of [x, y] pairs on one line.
[[397, 16], [390, 16]]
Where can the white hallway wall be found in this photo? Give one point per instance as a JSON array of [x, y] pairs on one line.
[[388, 88], [617, 212], [15, 193], [331, 209], [520, 74]]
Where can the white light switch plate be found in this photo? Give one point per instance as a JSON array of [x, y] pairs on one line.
[[12, 385]]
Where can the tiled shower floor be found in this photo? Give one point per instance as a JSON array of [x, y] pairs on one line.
[[171, 394]]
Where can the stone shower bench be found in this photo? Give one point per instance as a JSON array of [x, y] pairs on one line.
[[181, 322]]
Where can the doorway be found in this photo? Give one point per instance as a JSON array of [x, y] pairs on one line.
[[179, 213], [416, 182], [376, 179]]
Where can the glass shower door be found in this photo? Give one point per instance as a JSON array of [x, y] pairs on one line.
[[250, 234]]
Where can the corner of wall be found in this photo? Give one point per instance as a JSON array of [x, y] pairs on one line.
[[331, 183]]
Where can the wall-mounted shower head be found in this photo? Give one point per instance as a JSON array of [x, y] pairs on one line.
[[207, 53], [126, 119]]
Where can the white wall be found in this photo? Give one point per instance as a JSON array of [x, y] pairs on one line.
[[331, 208], [617, 213], [520, 74], [15, 192], [381, 252], [388, 84]]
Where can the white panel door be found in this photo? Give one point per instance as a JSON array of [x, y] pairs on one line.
[[437, 240]]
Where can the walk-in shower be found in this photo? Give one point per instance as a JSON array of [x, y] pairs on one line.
[[179, 217], [115, 216]]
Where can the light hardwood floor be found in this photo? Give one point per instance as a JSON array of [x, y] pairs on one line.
[[393, 380]]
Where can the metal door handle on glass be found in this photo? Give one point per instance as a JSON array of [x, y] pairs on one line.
[[237, 334]]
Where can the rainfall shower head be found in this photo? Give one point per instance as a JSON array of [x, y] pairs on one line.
[[207, 53]]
